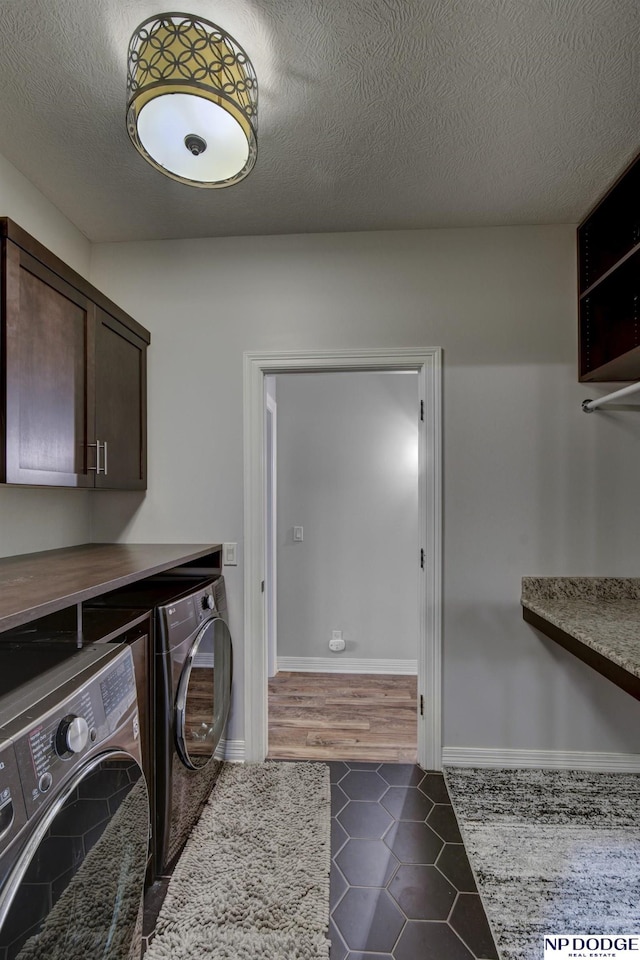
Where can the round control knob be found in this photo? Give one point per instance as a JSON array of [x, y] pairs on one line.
[[72, 735], [45, 782], [207, 602]]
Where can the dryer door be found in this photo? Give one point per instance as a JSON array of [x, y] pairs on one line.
[[204, 695], [75, 890]]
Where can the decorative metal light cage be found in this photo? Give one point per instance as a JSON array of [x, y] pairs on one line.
[[192, 101]]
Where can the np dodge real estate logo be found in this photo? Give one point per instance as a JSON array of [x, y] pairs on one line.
[[576, 945]]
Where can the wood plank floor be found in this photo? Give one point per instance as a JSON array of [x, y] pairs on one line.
[[329, 716]]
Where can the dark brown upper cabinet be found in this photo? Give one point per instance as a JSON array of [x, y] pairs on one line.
[[73, 376], [121, 404], [609, 283]]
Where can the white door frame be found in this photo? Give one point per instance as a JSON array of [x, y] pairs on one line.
[[271, 510], [427, 364]]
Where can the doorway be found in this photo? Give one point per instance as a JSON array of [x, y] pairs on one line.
[[426, 364], [347, 563]]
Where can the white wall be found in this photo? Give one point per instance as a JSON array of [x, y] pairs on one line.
[[531, 484], [34, 519], [348, 472]]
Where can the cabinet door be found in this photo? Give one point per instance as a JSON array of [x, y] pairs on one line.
[[121, 416], [49, 415]]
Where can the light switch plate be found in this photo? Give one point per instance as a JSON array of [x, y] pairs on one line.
[[298, 533], [230, 554]]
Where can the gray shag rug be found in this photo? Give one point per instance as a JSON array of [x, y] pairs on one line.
[[253, 880], [553, 852]]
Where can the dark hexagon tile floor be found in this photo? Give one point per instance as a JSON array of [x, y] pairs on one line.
[[401, 884]]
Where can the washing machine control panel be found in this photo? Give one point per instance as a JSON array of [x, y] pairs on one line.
[[184, 616], [61, 737]]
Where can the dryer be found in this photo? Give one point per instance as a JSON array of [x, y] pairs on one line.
[[74, 813], [192, 679]]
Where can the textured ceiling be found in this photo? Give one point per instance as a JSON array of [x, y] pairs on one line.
[[373, 114]]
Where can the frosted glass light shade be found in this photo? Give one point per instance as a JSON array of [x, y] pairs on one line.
[[165, 123], [192, 101]]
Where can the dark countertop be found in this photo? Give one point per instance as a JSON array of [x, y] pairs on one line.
[[601, 613], [35, 584]]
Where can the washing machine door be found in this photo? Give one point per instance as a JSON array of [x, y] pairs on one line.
[[75, 890], [204, 695]]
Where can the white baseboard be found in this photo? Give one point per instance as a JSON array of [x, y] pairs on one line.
[[339, 664], [230, 750], [204, 660], [550, 759]]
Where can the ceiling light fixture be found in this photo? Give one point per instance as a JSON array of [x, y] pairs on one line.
[[192, 101]]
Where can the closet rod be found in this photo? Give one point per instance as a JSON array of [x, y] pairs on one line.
[[589, 406]]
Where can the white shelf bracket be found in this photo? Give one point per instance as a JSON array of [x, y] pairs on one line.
[[588, 406]]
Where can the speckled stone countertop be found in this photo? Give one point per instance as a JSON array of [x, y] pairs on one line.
[[601, 612]]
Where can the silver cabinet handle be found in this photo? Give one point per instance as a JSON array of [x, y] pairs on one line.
[[97, 468], [97, 446]]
